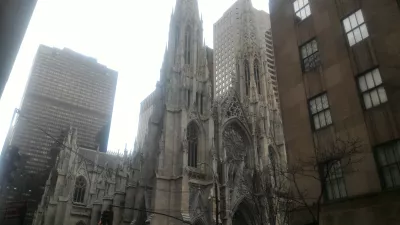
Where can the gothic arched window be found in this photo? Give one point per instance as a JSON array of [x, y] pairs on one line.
[[247, 76], [257, 76], [187, 45], [193, 141], [80, 189]]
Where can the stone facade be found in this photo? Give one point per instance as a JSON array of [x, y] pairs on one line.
[[192, 142], [84, 183], [337, 67]]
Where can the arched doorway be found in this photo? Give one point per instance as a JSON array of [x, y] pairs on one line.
[[244, 215]]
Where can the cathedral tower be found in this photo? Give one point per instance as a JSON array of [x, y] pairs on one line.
[[182, 124]]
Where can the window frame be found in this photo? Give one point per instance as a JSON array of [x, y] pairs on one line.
[[300, 19], [311, 115], [358, 26], [316, 53], [379, 167], [361, 93], [80, 195], [328, 181]]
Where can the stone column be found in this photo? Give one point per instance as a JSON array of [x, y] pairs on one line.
[[60, 211], [185, 180], [96, 212], [117, 210], [50, 214], [129, 203], [106, 203]]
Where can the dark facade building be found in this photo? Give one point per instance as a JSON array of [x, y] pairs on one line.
[[14, 19], [65, 89], [338, 67]]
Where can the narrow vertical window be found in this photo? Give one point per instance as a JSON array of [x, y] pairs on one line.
[[237, 71], [201, 104], [188, 98], [198, 101], [273, 160], [176, 41], [192, 137], [247, 76], [80, 189], [187, 45], [257, 76]]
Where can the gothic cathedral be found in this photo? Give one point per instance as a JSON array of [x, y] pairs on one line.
[[198, 150]]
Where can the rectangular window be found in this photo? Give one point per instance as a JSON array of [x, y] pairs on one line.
[[320, 112], [372, 90], [302, 9], [388, 160], [310, 55], [335, 187], [355, 27]]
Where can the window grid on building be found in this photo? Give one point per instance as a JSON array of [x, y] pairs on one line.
[[302, 9], [310, 55], [372, 90], [355, 27], [335, 187], [320, 112], [388, 159]]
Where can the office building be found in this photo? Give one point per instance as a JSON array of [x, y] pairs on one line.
[[146, 109], [338, 66], [228, 43], [65, 89]]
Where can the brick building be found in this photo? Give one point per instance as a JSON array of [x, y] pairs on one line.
[[338, 67]]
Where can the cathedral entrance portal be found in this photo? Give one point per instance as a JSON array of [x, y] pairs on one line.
[[243, 216]]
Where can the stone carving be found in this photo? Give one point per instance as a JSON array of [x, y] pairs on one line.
[[232, 108]]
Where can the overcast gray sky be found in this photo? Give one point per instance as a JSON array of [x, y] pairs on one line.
[[126, 35]]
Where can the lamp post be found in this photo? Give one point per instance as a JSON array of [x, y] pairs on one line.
[[215, 181]]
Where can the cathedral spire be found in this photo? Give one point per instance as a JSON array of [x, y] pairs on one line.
[[187, 8]]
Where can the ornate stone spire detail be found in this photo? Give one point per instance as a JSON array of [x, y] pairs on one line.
[[185, 143]]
